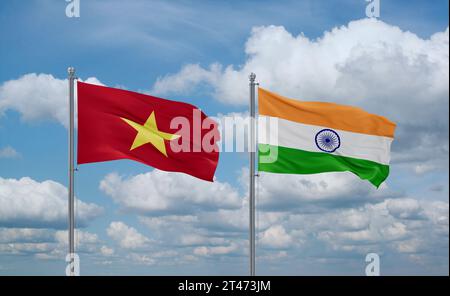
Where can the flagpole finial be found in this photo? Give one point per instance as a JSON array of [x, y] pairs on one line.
[[71, 71], [252, 77]]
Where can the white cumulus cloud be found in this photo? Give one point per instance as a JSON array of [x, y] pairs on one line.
[[275, 237], [127, 237], [45, 243], [162, 192], [8, 152], [38, 97], [28, 203]]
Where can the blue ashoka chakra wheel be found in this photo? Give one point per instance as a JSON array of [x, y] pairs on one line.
[[328, 140]]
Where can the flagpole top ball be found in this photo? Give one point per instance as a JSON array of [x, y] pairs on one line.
[[252, 76], [71, 71]]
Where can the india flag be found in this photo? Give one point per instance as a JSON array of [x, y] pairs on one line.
[[318, 137]]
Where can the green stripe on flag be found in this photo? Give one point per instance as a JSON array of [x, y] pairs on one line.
[[294, 161]]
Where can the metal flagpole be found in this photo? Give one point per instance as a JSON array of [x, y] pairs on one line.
[[252, 147], [71, 72]]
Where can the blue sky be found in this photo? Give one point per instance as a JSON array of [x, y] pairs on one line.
[[396, 66]]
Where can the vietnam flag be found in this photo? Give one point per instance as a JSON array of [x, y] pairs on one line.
[[168, 135]]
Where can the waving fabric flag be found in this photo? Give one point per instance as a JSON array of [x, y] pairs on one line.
[[118, 124], [317, 137]]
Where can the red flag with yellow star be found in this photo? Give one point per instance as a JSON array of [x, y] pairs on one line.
[[171, 136]]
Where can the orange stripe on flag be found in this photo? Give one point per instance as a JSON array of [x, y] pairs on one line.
[[331, 115]]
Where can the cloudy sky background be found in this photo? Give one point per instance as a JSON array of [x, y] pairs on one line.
[[135, 220]]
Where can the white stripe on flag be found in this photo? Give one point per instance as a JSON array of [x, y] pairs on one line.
[[302, 136]]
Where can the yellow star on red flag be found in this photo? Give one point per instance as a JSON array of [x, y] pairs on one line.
[[149, 133]]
